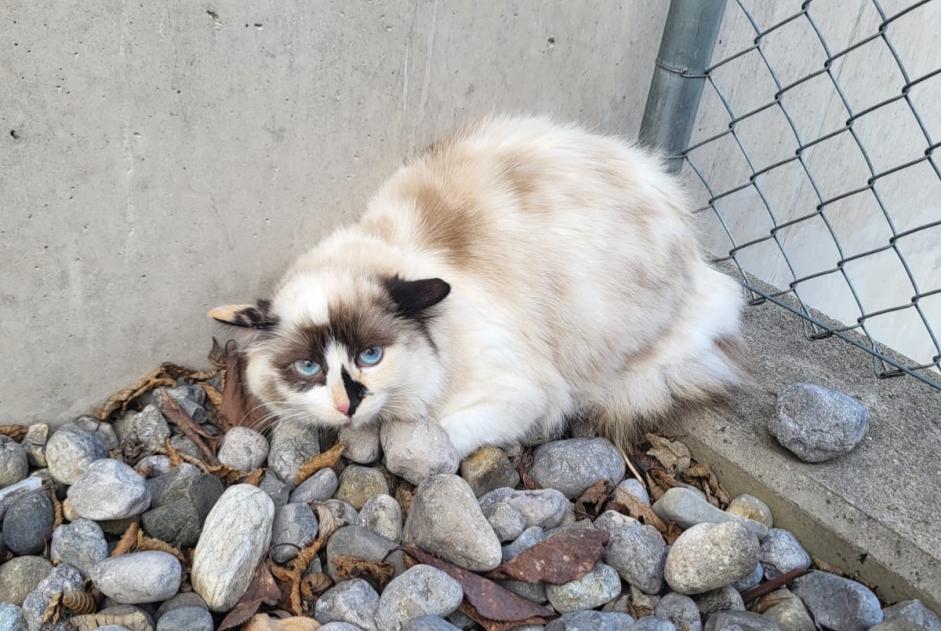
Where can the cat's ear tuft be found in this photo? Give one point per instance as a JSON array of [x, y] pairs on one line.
[[412, 297], [257, 316]]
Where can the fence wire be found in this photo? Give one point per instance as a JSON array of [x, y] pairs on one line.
[[886, 363]]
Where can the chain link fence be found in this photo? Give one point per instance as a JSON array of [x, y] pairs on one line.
[[815, 157]]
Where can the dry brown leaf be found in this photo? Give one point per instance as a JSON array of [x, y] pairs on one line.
[[701, 475], [292, 575], [79, 602], [404, 495], [559, 559], [624, 502], [377, 572], [16, 432], [214, 396], [592, 501], [238, 407], [264, 622], [262, 589], [672, 454], [135, 620], [145, 544], [324, 460], [128, 540], [53, 611], [314, 584], [120, 399], [56, 510], [190, 428]]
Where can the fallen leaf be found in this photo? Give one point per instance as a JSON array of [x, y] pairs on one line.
[[292, 575], [672, 454], [592, 501], [239, 407], [214, 396], [324, 460], [128, 540], [490, 604], [405, 496], [559, 559], [377, 572], [178, 416], [16, 432], [145, 544], [262, 589], [314, 584], [264, 622], [701, 475], [79, 602], [135, 620], [165, 375], [624, 502]]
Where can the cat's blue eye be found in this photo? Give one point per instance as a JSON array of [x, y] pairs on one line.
[[306, 367], [371, 356]]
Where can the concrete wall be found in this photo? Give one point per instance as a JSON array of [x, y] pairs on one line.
[[890, 135], [158, 158]]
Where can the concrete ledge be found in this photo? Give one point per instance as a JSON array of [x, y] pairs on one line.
[[874, 513]]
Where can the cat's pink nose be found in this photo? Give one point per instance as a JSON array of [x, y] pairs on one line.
[[343, 408]]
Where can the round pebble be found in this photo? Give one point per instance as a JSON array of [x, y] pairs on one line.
[[419, 591], [81, 544], [34, 443], [62, 578], [573, 465], [353, 601], [680, 610], [781, 552], [28, 523], [588, 621], [723, 599], [186, 619], [109, 489], [243, 448], [638, 553], [594, 589], [13, 462], [294, 528], [138, 577], [415, 451], [838, 603], [362, 443], [145, 431], [817, 424], [12, 618], [488, 468], [317, 488], [356, 541], [70, 451], [20, 575], [383, 515], [710, 556], [637, 489], [358, 484], [293, 442], [750, 507]]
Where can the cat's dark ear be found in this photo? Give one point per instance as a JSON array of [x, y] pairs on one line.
[[412, 297], [257, 316]]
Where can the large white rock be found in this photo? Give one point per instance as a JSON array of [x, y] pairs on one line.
[[235, 537]]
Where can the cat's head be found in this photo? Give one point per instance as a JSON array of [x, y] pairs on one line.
[[342, 349]]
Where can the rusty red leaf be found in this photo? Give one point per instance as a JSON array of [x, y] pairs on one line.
[[559, 559]]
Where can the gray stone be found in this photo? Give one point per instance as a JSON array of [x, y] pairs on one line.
[[636, 488], [293, 442], [817, 424], [461, 621], [191, 398], [138, 577], [13, 461], [146, 431], [545, 508], [10, 494], [636, 599], [184, 445], [317, 488], [788, 611], [81, 544], [186, 599], [896, 625], [153, 466], [752, 580], [750, 507], [358, 484], [781, 552], [70, 451], [62, 579], [383, 515], [279, 492], [687, 509], [356, 541], [446, 520], [429, 623], [343, 514], [710, 556], [652, 623], [12, 618], [362, 443], [353, 601], [740, 621], [591, 621], [488, 468], [28, 523], [527, 539], [109, 489], [681, 611], [171, 483], [34, 442], [535, 592], [113, 627], [594, 589], [419, 591], [340, 626], [573, 465], [838, 603], [294, 528], [182, 500], [20, 575], [235, 537], [723, 599], [102, 431], [186, 619], [638, 553], [612, 520], [506, 521], [415, 451], [915, 612], [243, 448]]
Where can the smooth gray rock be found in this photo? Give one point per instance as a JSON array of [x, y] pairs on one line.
[[417, 450], [638, 553], [817, 424], [317, 488], [279, 492], [185, 599], [789, 612], [81, 544], [535, 592], [353, 601], [612, 520], [752, 580], [635, 599], [545, 508], [186, 619], [527, 539], [13, 462], [234, 539], [243, 448], [362, 443], [636, 488], [750, 507], [594, 589], [383, 515], [710, 556], [506, 521], [101, 430], [167, 487], [70, 451], [34, 443], [153, 466], [429, 623], [838, 603], [20, 575], [573, 465], [146, 431], [182, 500], [109, 489], [356, 541], [680, 610], [488, 468], [10, 494], [343, 514], [591, 621], [184, 445], [653, 623], [896, 625], [419, 591], [28, 523], [781, 552], [915, 612], [138, 577], [688, 508], [723, 599], [62, 578], [358, 484], [12, 618], [740, 621], [446, 520], [294, 528], [293, 442]]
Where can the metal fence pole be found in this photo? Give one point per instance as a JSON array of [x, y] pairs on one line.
[[689, 37]]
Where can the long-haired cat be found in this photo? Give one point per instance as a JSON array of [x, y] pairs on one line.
[[515, 275]]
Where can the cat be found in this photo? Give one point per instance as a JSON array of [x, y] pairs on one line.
[[514, 276]]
